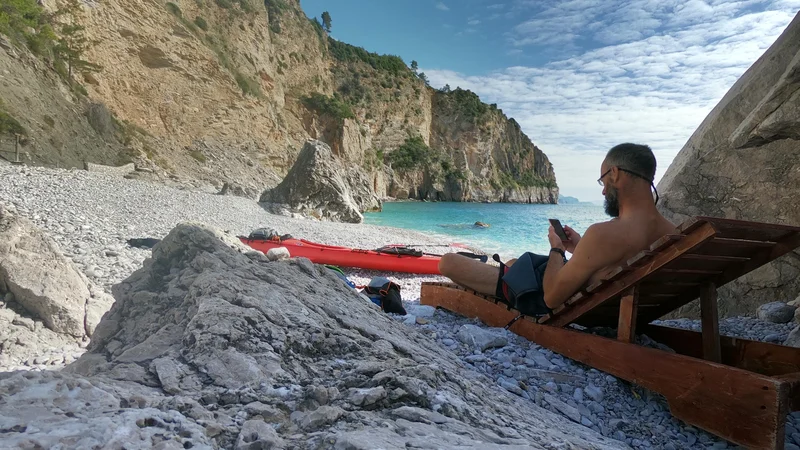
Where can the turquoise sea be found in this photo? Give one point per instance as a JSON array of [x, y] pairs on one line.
[[514, 228]]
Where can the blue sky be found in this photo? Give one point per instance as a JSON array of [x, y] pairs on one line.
[[579, 76]]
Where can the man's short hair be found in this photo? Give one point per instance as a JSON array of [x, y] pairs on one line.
[[634, 157]]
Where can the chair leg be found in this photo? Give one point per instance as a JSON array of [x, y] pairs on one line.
[[710, 321], [626, 328]]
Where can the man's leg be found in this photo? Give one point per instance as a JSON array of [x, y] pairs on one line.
[[470, 273]]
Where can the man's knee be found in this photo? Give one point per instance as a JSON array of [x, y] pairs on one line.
[[448, 264]]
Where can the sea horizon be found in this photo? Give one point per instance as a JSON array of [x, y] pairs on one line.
[[513, 228]]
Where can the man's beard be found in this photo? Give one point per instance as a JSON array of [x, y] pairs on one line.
[[612, 202]]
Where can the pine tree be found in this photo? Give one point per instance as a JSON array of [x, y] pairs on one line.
[[414, 65], [72, 39], [326, 21]]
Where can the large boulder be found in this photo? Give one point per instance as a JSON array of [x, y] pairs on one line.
[[281, 353], [43, 282], [742, 163], [320, 185]]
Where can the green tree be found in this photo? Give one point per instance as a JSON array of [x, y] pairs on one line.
[[72, 39], [414, 65], [423, 77], [446, 88], [326, 21]]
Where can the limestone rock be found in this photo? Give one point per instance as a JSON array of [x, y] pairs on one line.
[[741, 163], [111, 170], [232, 188], [277, 254], [41, 279], [57, 410], [272, 341], [793, 340], [257, 434], [776, 312], [318, 183], [480, 337]]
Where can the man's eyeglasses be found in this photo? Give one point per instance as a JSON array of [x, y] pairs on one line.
[[600, 180]]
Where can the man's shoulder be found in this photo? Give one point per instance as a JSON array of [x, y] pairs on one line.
[[604, 229]]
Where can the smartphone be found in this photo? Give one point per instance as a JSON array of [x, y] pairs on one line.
[[559, 229]]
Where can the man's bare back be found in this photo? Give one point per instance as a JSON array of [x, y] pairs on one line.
[[630, 236]]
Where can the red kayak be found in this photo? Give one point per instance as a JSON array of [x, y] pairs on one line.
[[389, 258]]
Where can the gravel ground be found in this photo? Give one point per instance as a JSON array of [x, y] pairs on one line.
[[91, 216]]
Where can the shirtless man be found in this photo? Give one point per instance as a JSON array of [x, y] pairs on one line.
[[535, 284]]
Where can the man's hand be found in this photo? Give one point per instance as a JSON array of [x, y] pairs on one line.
[[555, 241], [573, 238]]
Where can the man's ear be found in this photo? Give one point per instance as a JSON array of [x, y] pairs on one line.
[[614, 175]]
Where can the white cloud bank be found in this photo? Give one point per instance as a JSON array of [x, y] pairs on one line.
[[663, 66]]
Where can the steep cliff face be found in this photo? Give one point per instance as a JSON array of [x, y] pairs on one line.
[[496, 161], [229, 90], [743, 162]]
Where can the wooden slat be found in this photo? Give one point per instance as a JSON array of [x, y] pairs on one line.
[[690, 271], [792, 385], [710, 322], [609, 290], [690, 225], [791, 242], [640, 258], [665, 242], [754, 356], [741, 229], [721, 258], [700, 264], [743, 243], [626, 328]]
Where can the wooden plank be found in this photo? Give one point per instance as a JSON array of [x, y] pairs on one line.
[[792, 386], [609, 290], [664, 242], [741, 229], [754, 356], [742, 407], [690, 271], [743, 243], [721, 222], [790, 243], [710, 321], [467, 305], [720, 258], [626, 328], [689, 225]]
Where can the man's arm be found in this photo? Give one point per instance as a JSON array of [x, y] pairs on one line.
[[595, 251]]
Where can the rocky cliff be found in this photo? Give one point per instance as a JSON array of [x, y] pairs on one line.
[[228, 91], [743, 162]]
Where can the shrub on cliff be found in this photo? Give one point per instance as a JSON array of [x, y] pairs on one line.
[[330, 106], [463, 102], [350, 53], [412, 154]]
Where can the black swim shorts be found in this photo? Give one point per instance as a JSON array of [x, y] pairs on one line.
[[521, 285]]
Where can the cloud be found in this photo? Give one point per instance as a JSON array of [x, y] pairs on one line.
[[496, 6], [654, 87], [442, 7], [473, 22]]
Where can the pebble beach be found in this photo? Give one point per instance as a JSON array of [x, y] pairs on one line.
[[92, 215]]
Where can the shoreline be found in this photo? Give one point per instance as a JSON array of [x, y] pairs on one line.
[[91, 216]]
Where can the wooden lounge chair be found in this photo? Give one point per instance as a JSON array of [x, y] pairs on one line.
[[737, 389]]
